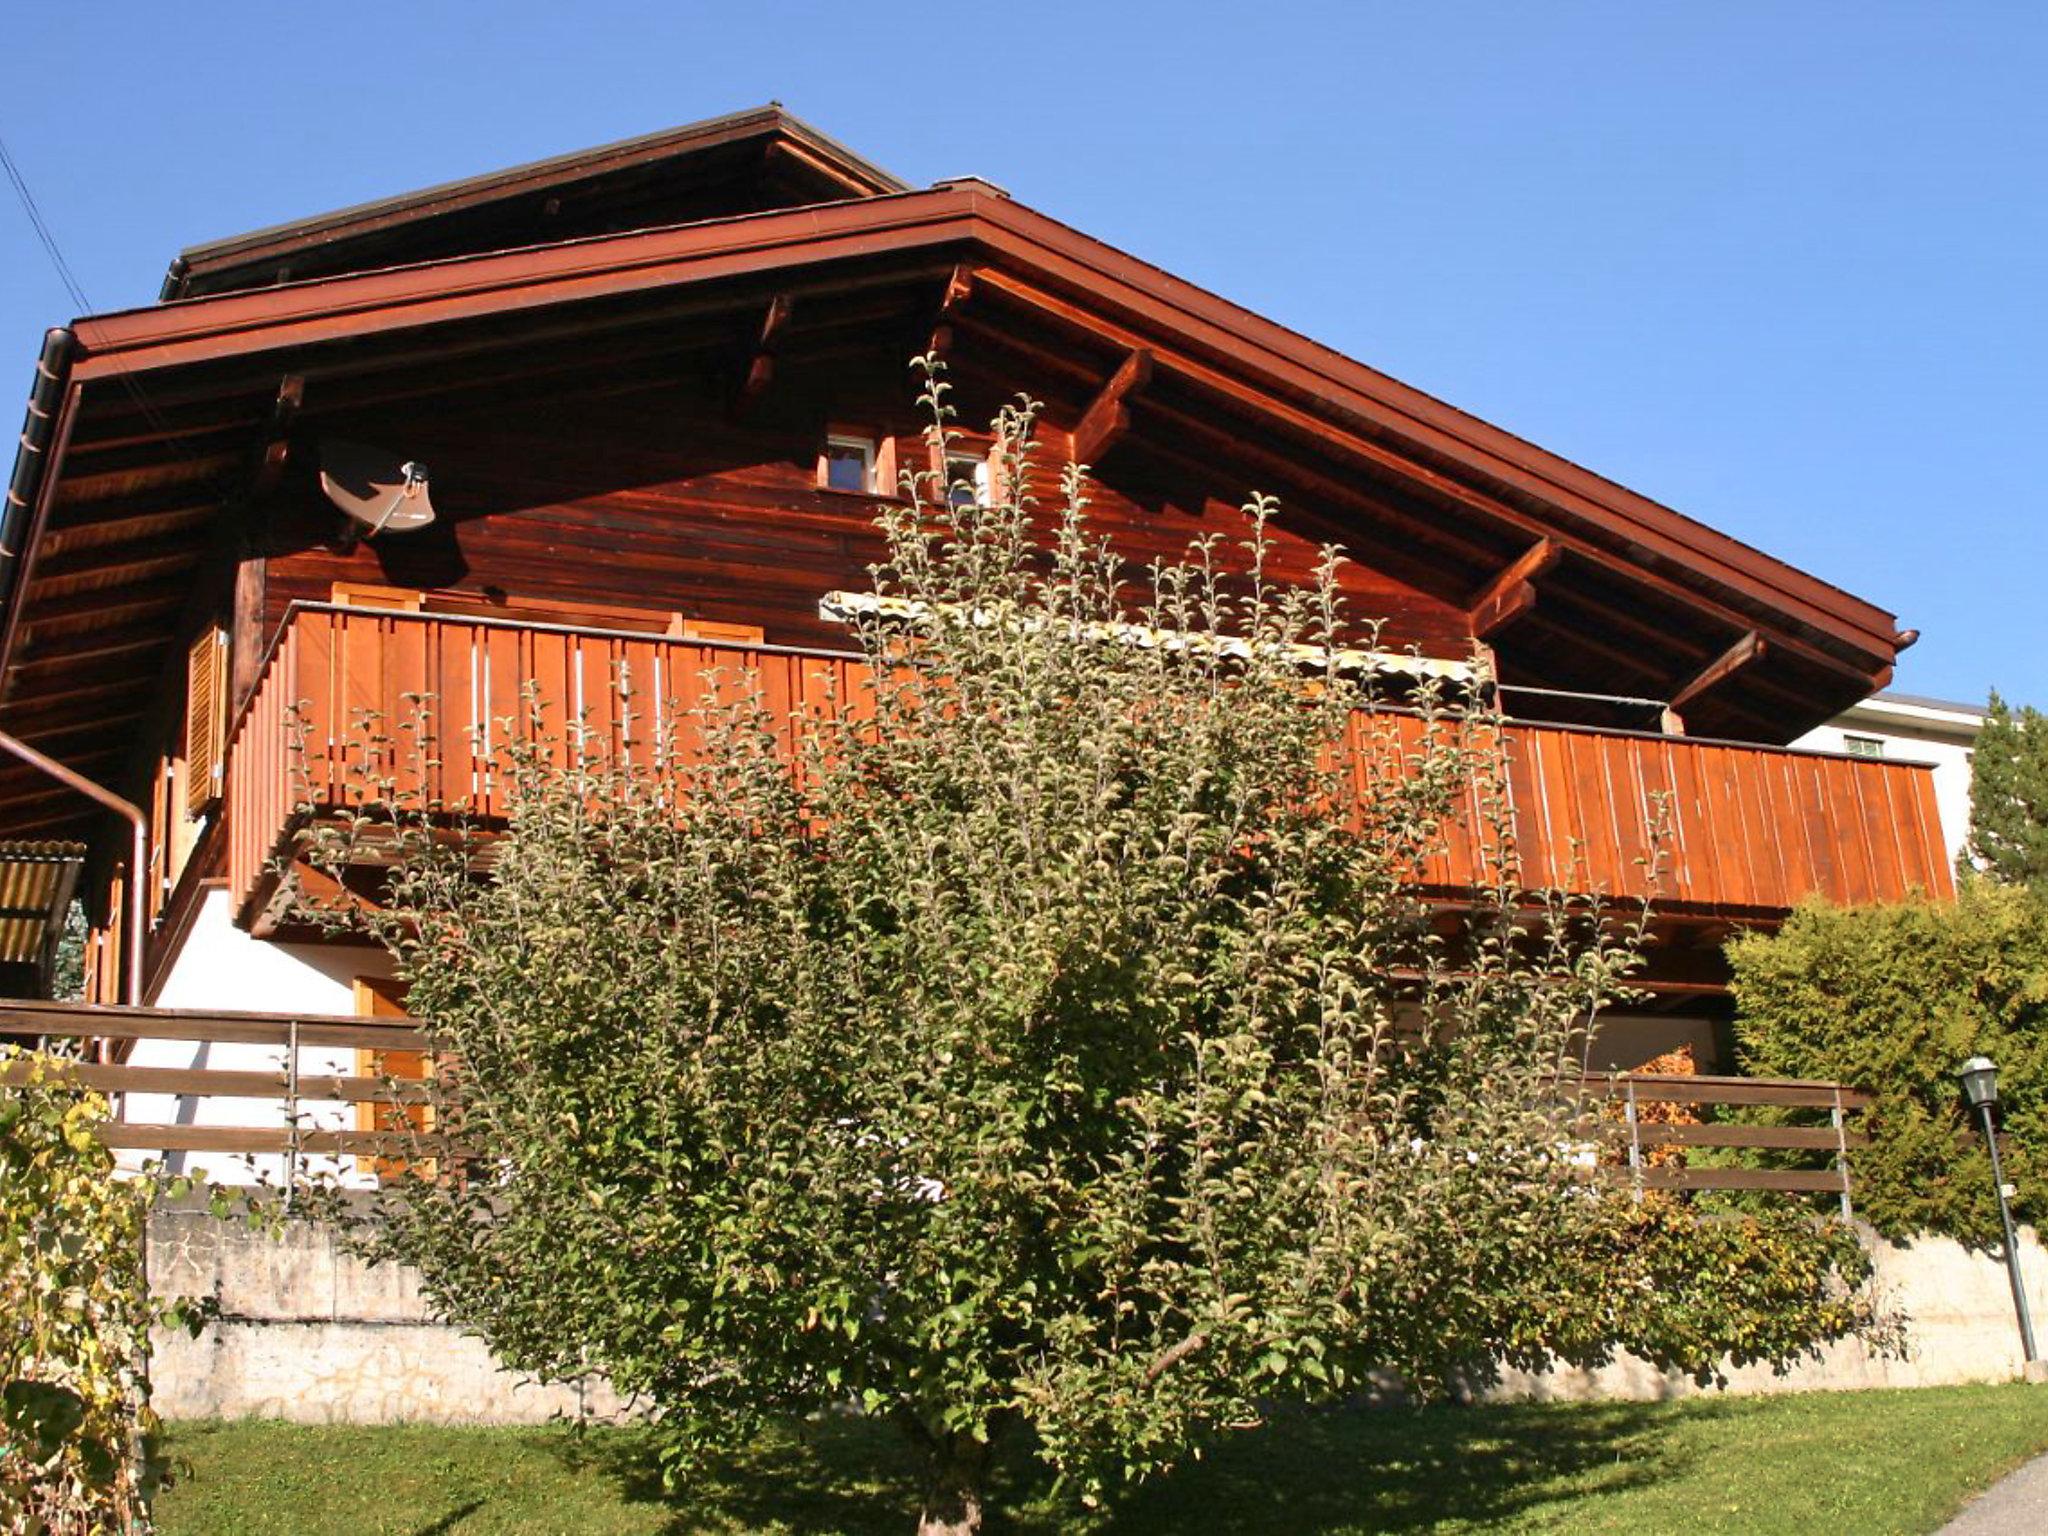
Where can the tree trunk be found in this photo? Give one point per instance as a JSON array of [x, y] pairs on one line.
[[955, 1468]]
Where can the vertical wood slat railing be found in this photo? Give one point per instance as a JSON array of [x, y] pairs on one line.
[[1745, 830], [1708, 827]]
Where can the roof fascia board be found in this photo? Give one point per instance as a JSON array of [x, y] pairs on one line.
[[365, 218], [1881, 711], [356, 304]]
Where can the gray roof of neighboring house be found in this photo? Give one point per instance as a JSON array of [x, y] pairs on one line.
[[1922, 701]]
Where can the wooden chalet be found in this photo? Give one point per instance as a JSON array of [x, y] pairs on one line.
[[658, 385]]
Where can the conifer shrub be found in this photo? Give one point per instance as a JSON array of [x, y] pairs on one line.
[[1893, 999]]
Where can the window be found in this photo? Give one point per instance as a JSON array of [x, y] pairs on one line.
[[966, 481], [1863, 746], [847, 464], [206, 719]]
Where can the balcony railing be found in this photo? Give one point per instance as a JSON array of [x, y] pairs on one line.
[[1733, 830]]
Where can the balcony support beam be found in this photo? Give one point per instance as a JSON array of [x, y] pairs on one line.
[[1750, 648]]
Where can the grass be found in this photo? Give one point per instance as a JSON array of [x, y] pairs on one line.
[[1870, 1462]]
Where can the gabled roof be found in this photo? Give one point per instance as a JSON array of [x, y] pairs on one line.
[[167, 412], [745, 162]]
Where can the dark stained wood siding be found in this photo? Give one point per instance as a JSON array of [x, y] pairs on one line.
[[656, 499]]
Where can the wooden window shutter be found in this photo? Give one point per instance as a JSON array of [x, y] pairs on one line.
[[206, 719]]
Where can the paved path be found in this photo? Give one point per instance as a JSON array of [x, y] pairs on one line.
[[2016, 1505]]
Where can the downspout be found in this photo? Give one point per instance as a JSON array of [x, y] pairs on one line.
[[138, 853], [45, 433]]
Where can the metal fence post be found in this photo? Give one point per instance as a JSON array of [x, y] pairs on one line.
[[1635, 1141], [1841, 1153], [291, 1109]]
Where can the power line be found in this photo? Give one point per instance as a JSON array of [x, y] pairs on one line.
[[72, 286], [42, 229]]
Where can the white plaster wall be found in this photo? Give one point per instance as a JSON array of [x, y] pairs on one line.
[[218, 966]]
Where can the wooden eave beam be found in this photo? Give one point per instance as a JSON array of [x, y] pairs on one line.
[[1512, 593], [936, 336], [1749, 648], [760, 367], [1108, 417]]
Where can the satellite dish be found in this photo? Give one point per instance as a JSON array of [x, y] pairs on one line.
[[376, 489]]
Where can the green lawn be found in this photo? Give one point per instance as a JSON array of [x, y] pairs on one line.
[[1867, 1463]]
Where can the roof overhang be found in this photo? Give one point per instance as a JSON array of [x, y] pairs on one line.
[[1190, 331]]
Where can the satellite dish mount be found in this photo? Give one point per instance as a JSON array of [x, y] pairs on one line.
[[376, 490]]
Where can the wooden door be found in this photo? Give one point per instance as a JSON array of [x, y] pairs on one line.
[[382, 998]]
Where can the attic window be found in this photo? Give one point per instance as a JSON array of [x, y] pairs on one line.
[[847, 464], [1863, 746]]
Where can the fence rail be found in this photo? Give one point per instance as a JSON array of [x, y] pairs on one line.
[[1611, 1104]]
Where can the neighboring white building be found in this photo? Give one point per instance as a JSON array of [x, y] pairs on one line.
[[1917, 730]]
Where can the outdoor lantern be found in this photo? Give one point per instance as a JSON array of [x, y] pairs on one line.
[[1979, 1078]]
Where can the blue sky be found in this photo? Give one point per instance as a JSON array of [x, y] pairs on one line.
[[1783, 266]]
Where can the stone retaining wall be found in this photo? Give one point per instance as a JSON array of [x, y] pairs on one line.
[[310, 1333]]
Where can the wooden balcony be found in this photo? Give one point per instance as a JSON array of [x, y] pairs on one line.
[[1747, 831]]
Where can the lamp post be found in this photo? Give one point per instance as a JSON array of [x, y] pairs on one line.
[[1980, 1088]]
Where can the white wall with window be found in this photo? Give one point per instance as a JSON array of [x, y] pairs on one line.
[[1907, 728]]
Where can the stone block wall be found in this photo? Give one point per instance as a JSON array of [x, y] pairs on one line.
[[309, 1332]]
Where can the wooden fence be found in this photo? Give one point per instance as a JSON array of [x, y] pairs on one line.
[[1612, 1106]]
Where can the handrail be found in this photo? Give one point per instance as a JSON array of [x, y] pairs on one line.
[[824, 653], [1644, 1169]]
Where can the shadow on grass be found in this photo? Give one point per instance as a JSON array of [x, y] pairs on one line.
[[450, 1521], [1322, 1474]]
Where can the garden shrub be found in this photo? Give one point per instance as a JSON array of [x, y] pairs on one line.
[[1893, 999], [78, 1440]]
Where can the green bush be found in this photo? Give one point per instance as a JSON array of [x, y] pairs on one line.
[[1893, 999], [2009, 797], [78, 1444]]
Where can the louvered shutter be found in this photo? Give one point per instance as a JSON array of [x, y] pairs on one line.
[[206, 719]]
